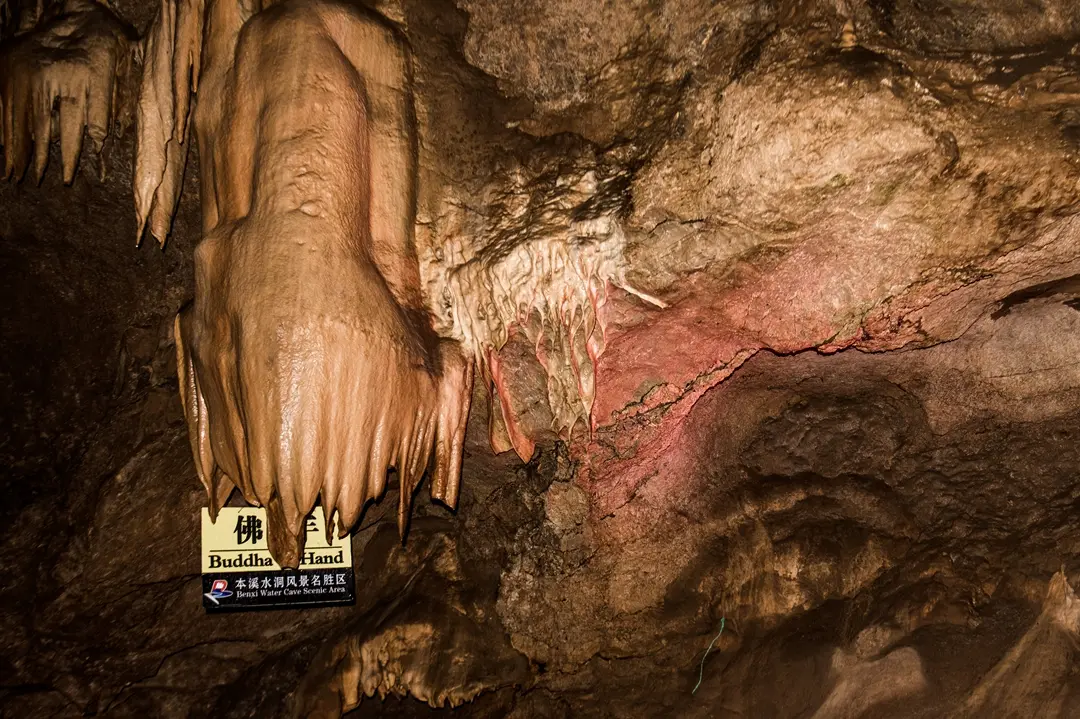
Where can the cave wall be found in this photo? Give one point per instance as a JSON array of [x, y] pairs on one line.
[[850, 435]]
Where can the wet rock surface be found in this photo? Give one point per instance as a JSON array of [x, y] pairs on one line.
[[836, 412]]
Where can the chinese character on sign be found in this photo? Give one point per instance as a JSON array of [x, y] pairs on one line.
[[248, 529], [234, 553]]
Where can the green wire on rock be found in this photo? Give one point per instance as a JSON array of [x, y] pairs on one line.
[[701, 670]]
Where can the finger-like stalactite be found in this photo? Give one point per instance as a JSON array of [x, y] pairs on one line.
[[68, 75]]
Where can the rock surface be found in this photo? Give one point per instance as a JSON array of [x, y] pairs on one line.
[[798, 361]]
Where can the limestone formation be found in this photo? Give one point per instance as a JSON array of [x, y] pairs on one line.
[[307, 362], [771, 306], [69, 74], [308, 365]]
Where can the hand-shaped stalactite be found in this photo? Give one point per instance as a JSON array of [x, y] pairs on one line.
[[307, 361], [68, 73], [302, 378]]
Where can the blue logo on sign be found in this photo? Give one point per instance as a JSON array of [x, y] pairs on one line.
[[218, 590]]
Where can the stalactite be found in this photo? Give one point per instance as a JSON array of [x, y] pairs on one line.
[[67, 75], [551, 248], [173, 51]]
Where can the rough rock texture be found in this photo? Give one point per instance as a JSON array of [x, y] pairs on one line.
[[818, 387]]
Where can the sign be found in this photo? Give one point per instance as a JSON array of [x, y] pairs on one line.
[[239, 573]]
